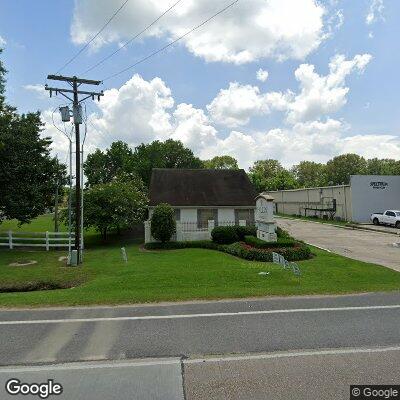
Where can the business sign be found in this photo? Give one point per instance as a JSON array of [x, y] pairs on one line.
[[379, 185]]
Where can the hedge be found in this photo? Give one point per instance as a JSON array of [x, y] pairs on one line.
[[232, 234], [300, 252], [261, 244]]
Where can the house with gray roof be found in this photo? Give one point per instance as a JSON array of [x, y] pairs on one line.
[[203, 198]]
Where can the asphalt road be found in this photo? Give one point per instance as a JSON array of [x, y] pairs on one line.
[[369, 246], [212, 350]]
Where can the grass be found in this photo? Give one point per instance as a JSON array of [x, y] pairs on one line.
[[179, 275], [41, 224], [315, 219]]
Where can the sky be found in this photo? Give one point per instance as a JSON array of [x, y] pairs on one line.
[[285, 79]]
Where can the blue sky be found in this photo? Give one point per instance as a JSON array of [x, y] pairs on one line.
[[180, 88]]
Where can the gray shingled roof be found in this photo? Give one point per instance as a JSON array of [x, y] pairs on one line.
[[201, 187]]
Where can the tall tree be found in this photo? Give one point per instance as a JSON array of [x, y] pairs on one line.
[[271, 175], [309, 174], [385, 166], [103, 167], [340, 168], [168, 154], [28, 174], [221, 162]]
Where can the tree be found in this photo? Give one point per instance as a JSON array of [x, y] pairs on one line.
[[168, 154], [112, 206], [103, 167], [163, 224], [28, 174], [309, 174], [221, 162], [386, 166], [270, 175], [340, 168]]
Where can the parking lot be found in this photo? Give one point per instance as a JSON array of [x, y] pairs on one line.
[[374, 247]]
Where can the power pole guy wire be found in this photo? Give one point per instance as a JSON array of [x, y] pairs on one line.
[[102, 61], [171, 43], [93, 38]]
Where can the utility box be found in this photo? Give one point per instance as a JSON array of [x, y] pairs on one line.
[[264, 217], [65, 115], [77, 113]]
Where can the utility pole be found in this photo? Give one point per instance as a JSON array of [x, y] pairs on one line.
[[75, 83]]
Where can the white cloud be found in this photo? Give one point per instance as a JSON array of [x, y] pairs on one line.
[[262, 75], [375, 12], [38, 89], [143, 111], [3, 41], [248, 31], [320, 95]]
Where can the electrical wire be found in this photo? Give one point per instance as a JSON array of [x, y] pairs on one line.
[[171, 43], [93, 38], [102, 61]]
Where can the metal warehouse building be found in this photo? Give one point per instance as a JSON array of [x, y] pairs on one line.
[[365, 195]]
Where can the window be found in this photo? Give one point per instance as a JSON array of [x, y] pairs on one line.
[[244, 214], [390, 213], [177, 214], [205, 214]]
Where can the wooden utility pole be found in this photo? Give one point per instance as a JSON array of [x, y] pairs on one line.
[[75, 83]]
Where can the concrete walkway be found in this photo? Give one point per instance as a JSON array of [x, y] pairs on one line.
[[374, 247]]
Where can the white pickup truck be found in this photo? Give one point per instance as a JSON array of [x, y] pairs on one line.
[[389, 217]]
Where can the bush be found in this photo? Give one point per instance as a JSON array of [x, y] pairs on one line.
[[243, 231], [163, 224], [301, 252], [232, 234], [261, 244], [281, 233], [224, 235]]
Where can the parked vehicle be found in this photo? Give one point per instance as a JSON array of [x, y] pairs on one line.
[[389, 217]]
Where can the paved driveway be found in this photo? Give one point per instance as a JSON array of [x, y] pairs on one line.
[[374, 247]]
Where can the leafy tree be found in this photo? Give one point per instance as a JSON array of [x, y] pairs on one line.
[[168, 154], [221, 162], [386, 166], [270, 175], [112, 206], [163, 224], [309, 174], [340, 168], [28, 174], [103, 167]]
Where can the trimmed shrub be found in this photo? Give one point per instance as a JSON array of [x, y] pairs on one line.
[[300, 252], [224, 235], [261, 244], [281, 233], [243, 231], [163, 224]]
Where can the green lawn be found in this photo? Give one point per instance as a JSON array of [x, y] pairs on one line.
[[179, 275], [41, 224]]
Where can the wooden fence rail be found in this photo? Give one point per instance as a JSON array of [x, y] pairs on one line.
[[12, 239]]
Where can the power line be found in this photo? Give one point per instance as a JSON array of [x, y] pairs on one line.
[[93, 38], [171, 43], [131, 39]]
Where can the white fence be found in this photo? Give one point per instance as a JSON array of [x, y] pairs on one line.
[[12, 239], [190, 230]]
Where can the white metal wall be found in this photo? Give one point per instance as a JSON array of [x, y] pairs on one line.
[[374, 193]]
